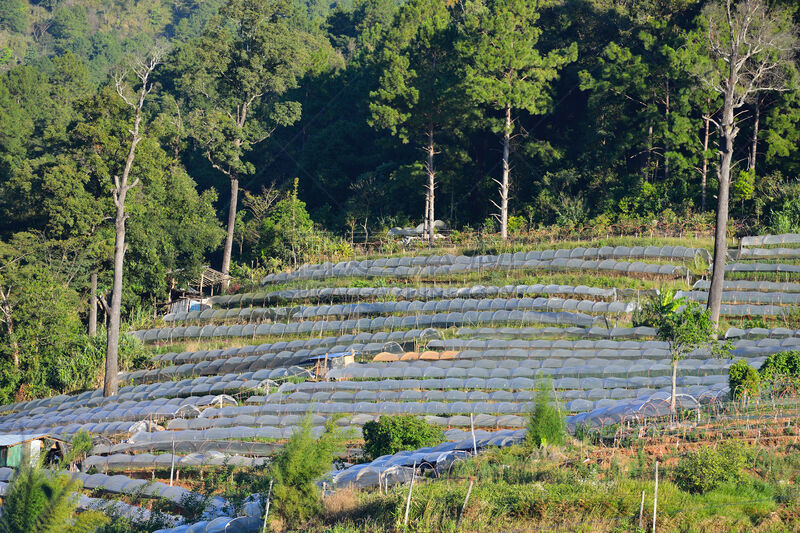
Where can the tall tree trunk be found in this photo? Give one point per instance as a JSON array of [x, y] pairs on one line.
[[666, 135], [704, 171], [506, 173], [119, 193], [728, 134], [754, 142], [431, 188], [112, 339], [8, 319], [648, 159], [226, 252], [672, 399], [93, 305]]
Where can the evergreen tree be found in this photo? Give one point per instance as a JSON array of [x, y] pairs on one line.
[[507, 72]]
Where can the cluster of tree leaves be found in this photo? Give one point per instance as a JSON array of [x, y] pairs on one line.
[[391, 434]]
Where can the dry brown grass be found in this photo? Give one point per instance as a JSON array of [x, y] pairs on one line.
[[341, 503]]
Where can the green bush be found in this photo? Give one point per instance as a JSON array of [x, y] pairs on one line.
[[39, 501], [781, 370], [296, 469], [391, 434], [546, 423], [516, 225], [743, 380], [707, 468], [655, 308]]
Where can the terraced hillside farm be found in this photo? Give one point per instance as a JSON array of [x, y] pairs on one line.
[[462, 341]]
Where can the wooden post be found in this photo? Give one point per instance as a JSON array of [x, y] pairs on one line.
[[641, 511], [172, 463], [472, 429], [655, 500], [464, 507], [266, 508], [410, 488]]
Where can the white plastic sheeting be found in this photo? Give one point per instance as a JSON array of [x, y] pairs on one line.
[[770, 240], [537, 333], [121, 461], [654, 405], [745, 285], [389, 470], [242, 524], [477, 264], [349, 294], [762, 267], [441, 320]]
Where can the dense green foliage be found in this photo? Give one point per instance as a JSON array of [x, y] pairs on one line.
[[546, 422], [781, 371], [297, 467], [705, 469], [391, 434], [41, 501], [743, 380]]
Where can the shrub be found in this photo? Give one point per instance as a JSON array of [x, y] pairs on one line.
[[743, 380], [516, 225], [80, 446], [296, 469], [707, 468], [391, 434], [546, 423], [781, 370], [38, 501]]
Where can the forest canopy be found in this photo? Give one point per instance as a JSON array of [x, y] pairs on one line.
[[276, 127]]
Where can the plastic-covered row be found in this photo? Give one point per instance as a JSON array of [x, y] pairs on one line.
[[605, 252], [407, 307], [349, 294], [641, 332], [315, 346], [654, 405], [746, 297], [124, 461], [745, 285], [754, 333], [451, 389], [471, 265], [223, 524], [766, 253], [388, 470], [762, 267], [120, 484], [770, 240], [441, 320]]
